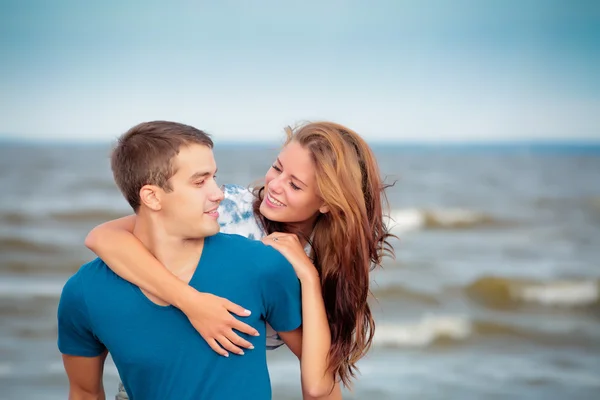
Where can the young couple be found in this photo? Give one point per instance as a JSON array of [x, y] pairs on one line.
[[166, 274]]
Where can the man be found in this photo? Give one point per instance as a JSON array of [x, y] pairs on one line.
[[166, 171]]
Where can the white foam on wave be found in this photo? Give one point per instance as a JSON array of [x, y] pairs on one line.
[[423, 332], [458, 216], [411, 219], [559, 293], [405, 220]]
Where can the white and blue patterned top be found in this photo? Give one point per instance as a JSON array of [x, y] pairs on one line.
[[236, 217]]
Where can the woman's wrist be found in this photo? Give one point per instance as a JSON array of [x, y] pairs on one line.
[[310, 278], [184, 295]]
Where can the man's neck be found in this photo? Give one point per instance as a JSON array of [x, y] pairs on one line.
[[178, 255]]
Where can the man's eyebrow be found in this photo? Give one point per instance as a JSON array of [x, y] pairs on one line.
[[293, 176], [202, 175]]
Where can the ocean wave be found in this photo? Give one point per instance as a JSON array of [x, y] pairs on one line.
[[452, 330], [17, 244], [34, 267], [425, 332], [594, 204], [20, 217], [507, 293], [402, 293], [87, 215], [13, 217], [410, 219]]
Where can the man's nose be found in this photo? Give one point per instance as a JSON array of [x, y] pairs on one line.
[[218, 195]]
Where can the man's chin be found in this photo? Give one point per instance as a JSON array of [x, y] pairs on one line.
[[213, 230]]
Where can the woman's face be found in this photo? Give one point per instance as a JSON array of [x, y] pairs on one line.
[[291, 193]]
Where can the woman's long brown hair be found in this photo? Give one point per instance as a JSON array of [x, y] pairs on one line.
[[348, 241]]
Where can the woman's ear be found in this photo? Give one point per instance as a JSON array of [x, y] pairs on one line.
[[150, 197], [324, 209]]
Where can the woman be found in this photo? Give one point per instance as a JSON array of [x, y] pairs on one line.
[[321, 207]]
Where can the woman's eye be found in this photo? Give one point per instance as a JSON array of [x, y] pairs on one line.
[[295, 187], [276, 168]]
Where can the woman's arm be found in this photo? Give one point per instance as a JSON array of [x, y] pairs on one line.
[[313, 345], [210, 315]]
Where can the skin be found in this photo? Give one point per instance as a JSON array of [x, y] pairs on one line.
[[291, 182], [291, 194], [85, 377]]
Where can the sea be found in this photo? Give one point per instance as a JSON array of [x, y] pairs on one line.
[[493, 294]]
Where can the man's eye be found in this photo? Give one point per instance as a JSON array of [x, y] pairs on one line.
[[199, 183]]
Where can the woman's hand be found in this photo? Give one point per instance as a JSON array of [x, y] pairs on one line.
[[211, 317], [289, 245]]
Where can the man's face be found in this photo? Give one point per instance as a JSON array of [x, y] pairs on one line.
[[189, 210]]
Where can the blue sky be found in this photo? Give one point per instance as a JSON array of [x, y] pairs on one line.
[[392, 70]]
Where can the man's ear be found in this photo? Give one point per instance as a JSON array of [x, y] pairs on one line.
[[150, 196]]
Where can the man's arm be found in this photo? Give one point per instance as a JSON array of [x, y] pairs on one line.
[[83, 353], [85, 376]]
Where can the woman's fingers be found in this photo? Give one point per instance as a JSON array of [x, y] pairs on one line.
[[238, 340], [236, 309], [243, 327], [227, 345], [216, 348]]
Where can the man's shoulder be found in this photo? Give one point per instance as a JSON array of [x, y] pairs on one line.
[[88, 272], [253, 250], [75, 289], [239, 243], [93, 267]]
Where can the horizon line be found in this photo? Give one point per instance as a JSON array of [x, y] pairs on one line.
[[8, 138], [411, 144]]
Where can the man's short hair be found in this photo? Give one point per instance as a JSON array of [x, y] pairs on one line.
[[144, 156]]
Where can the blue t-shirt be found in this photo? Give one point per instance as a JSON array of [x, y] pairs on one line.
[[157, 351]]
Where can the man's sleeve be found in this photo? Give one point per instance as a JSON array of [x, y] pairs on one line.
[[75, 334], [281, 291]]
